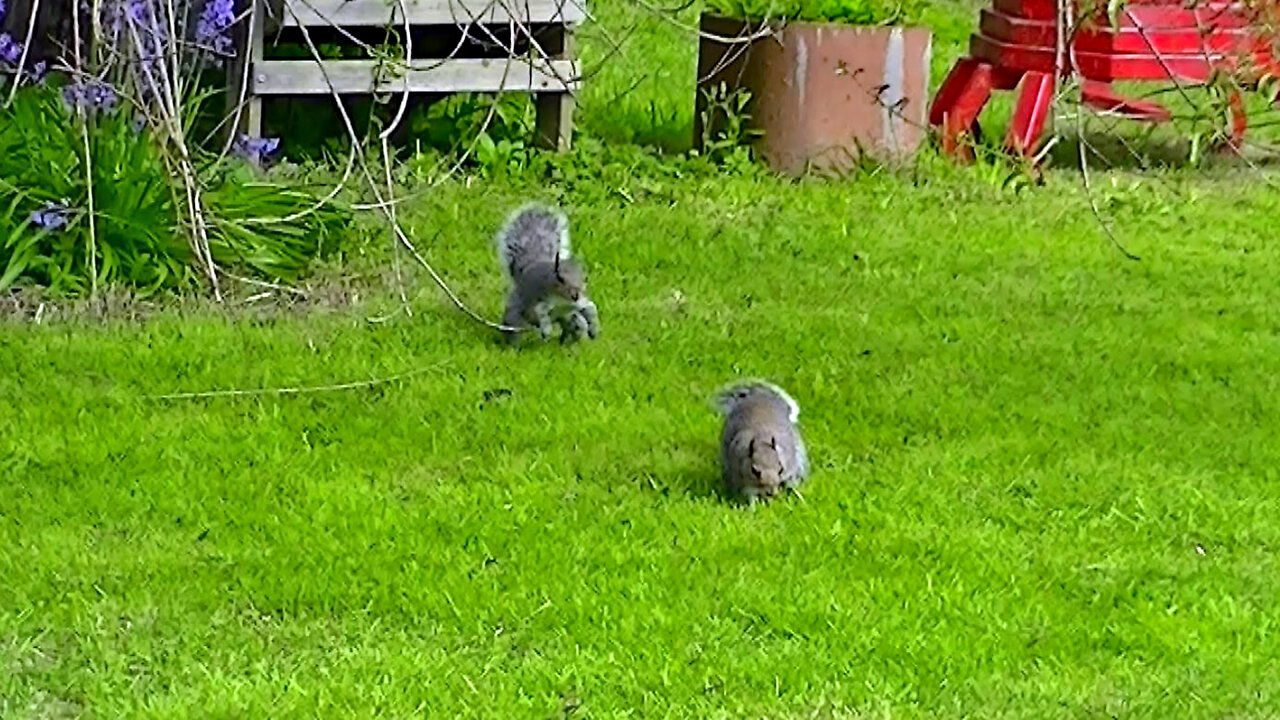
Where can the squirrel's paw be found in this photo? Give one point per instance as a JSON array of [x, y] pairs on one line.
[[575, 326], [588, 318]]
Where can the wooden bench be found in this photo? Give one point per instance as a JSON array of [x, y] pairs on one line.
[[550, 71], [1016, 47]]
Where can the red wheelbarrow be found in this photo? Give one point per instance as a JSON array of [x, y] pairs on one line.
[[1025, 45]]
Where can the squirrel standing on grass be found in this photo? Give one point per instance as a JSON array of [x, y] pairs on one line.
[[547, 284], [761, 451]]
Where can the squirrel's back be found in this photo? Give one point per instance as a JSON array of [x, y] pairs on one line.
[[534, 234], [758, 397]]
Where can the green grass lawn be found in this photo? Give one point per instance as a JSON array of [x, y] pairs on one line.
[[1044, 474], [1044, 480]]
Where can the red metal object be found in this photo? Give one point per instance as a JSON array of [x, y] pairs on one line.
[[1017, 47]]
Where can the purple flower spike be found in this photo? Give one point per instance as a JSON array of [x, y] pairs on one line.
[[101, 95], [255, 150], [10, 50], [89, 95], [211, 29], [51, 216], [137, 11]]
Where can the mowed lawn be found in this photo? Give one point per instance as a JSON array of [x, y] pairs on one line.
[[1044, 483]]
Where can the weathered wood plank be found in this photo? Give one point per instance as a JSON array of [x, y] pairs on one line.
[[378, 13], [554, 123], [248, 115], [349, 77]]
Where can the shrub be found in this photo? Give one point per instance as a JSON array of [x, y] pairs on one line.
[[853, 12]]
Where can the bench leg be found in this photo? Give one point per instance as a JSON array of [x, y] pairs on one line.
[[248, 44], [251, 118], [959, 102], [1100, 96], [555, 120], [1035, 99], [1239, 124], [555, 110]]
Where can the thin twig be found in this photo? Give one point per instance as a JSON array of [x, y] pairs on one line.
[[83, 117], [26, 44], [373, 186], [1064, 9], [292, 390]]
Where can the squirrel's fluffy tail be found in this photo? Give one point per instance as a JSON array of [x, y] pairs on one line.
[[533, 232], [728, 398]]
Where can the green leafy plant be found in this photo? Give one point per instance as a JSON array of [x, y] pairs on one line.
[[496, 156], [48, 161], [852, 12], [726, 130], [494, 130], [270, 229], [88, 200], [452, 123]]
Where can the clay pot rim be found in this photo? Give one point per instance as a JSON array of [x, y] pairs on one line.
[[815, 23]]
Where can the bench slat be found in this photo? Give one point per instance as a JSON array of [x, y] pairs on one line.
[[350, 77], [379, 13]]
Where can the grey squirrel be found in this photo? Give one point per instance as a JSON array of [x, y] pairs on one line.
[[547, 284], [761, 451]]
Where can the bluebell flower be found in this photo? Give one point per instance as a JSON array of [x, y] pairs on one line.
[[89, 95], [215, 20], [51, 216], [137, 10], [255, 150], [10, 50]]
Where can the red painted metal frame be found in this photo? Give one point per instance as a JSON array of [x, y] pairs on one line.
[[1016, 47]]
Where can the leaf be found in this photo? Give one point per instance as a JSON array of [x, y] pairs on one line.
[[1114, 7]]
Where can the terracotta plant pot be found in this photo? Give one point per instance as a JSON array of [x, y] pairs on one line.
[[821, 93]]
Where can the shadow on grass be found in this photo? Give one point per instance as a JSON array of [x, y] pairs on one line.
[[697, 477], [1132, 150]]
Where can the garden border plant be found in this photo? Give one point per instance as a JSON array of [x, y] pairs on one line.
[[104, 180]]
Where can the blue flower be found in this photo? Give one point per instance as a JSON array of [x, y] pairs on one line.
[[51, 216], [137, 10], [10, 50], [255, 150], [211, 29], [89, 95]]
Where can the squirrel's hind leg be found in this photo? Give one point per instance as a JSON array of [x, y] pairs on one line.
[[512, 317]]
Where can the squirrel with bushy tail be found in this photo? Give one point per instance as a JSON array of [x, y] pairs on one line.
[[548, 285], [761, 452]]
